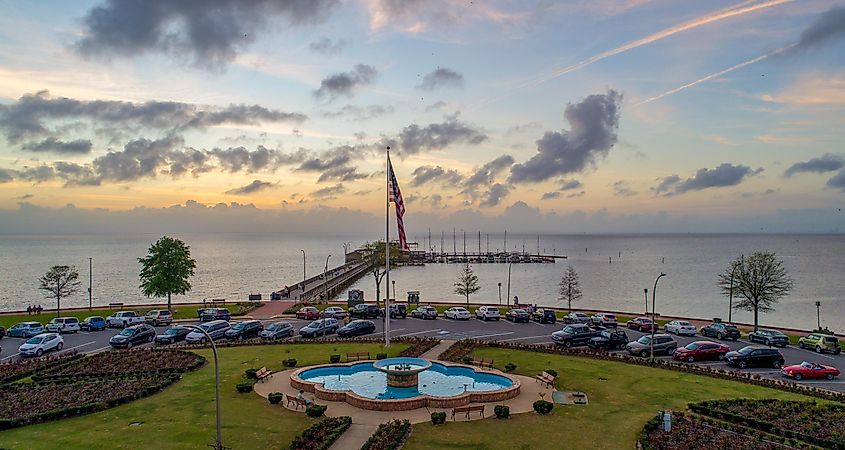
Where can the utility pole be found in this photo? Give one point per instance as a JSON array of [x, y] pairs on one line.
[[505, 248], [509, 284], [488, 242], [454, 243], [90, 283], [479, 244], [653, 320]]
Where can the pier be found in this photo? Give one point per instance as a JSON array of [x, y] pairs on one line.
[[482, 258], [334, 281]]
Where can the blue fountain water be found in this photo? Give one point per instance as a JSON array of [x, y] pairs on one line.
[[438, 381]]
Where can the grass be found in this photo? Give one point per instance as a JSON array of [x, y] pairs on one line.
[[618, 409], [182, 417]]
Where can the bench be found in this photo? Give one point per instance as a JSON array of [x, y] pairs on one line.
[[297, 402], [358, 356], [262, 374], [483, 363], [116, 305], [468, 410], [546, 379]]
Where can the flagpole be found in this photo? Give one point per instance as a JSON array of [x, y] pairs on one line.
[[387, 256]]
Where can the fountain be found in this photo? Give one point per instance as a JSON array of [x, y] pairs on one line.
[[402, 372]]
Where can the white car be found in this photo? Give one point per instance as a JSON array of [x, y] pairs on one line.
[[457, 313], [486, 313], [41, 344], [63, 325], [606, 320], [679, 327], [123, 319]]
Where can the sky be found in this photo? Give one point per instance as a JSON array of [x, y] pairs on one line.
[[555, 116]]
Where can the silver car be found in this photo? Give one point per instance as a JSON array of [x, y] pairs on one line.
[[334, 312], [277, 330], [663, 343]]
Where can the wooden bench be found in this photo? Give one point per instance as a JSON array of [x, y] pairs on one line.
[[546, 378], [468, 410], [357, 356], [483, 363], [297, 402], [262, 374], [116, 305]]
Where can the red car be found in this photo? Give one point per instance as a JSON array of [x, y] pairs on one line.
[[701, 351], [642, 324], [810, 370], [308, 313]]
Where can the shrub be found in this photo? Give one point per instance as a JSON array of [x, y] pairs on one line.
[[389, 436], [243, 388], [322, 434], [250, 373], [502, 411], [275, 397], [334, 358], [316, 410], [438, 418], [381, 355], [509, 367], [467, 359], [551, 372], [290, 362], [543, 407]]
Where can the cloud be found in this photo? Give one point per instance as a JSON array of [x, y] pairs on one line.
[[666, 184], [494, 196], [427, 174], [345, 83], [53, 145], [360, 113], [550, 195], [239, 158], [329, 192], [342, 173], [723, 175], [255, 186], [24, 197], [570, 185], [327, 46], [486, 173], [825, 163], [6, 175], [208, 33], [838, 181], [593, 126], [414, 139], [622, 189], [440, 104], [828, 26], [441, 77]]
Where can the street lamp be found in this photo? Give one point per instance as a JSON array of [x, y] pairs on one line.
[[731, 290], [326, 280], [346, 246], [653, 320], [508, 297], [500, 292], [645, 292], [818, 315], [219, 444], [393, 282], [304, 277]]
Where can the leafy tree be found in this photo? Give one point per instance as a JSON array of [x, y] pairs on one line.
[[467, 283], [570, 287], [167, 268], [58, 282], [374, 256], [759, 282]]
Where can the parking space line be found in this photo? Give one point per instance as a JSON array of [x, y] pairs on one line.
[[80, 345], [10, 356], [525, 337], [420, 332], [492, 335], [811, 351]]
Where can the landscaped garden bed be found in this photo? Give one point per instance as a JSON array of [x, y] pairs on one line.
[[693, 432], [418, 345], [389, 436], [121, 363], [23, 368], [322, 434]]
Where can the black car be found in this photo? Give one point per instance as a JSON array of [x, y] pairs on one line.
[[365, 311], [574, 335], [397, 311], [771, 338], [357, 328], [209, 314], [2, 332], [244, 330], [134, 335], [518, 315], [609, 340], [752, 356], [720, 330], [544, 316], [172, 335]]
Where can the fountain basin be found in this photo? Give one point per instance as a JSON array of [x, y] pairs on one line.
[[402, 372]]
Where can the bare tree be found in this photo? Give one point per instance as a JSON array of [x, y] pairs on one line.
[[58, 282], [758, 281], [570, 287], [373, 254], [467, 283]]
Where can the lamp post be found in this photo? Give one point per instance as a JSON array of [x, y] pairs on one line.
[[731, 290], [508, 297], [393, 282], [219, 444], [645, 292], [500, 292], [653, 320], [90, 281], [303, 266], [818, 315], [326, 280]]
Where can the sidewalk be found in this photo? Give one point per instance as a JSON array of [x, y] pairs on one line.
[[437, 350], [271, 309], [354, 437]]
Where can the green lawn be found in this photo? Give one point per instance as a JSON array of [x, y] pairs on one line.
[[619, 407], [182, 417]]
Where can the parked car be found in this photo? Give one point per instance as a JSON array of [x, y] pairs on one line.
[[574, 335], [319, 327], [209, 314], [123, 319], [244, 330], [277, 330], [41, 344], [772, 338], [518, 315], [63, 325], [486, 313], [752, 356], [643, 324], [358, 327], [215, 328], [608, 340], [663, 343], [721, 331], [701, 351], [26, 330], [424, 312], [605, 320], [821, 343], [365, 311], [397, 311], [173, 335], [334, 311], [577, 317], [2, 332], [544, 316], [158, 317], [679, 327], [93, 323], [456, 313], [134, 335], [810, 370]]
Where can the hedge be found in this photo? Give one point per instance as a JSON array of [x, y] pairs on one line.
[[389, 436], [322, 434]]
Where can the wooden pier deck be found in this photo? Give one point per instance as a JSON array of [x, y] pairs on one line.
[[336, 279]]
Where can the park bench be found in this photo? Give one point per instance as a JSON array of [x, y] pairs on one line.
[[262, 374], [358, 356], [483, 363], [468, 410], [116, 305], [546, 378], [297, 402]]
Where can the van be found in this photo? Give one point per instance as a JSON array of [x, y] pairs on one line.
[[216, 329]]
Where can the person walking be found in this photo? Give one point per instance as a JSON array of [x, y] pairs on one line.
[[28, 310]]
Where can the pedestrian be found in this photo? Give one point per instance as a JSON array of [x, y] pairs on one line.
[[515, 300], [28, 310], [38, 310]]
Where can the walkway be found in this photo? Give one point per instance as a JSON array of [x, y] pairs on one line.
[[272, 309], [437, 350], [354, 437]]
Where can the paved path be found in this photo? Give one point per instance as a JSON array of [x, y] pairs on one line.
[[438, 349], [272, 309], [354, 437]]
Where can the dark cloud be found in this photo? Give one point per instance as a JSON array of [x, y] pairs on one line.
[[262, 158], [550, 195], [327, 46], [828, 26], [345, 83], [414, 139], [255, 186], [335, 163], [441, 77], [209, 33], [666, 184], [426, 174], [576, 194], [342, 173], [53, 145], [824, 163], [6, 175], [838, 181], [360, 113], [486, 174], [24, 197], [329, 192], [494, 196], [593, 126], [723, 175], [622, 189], [570, 185]]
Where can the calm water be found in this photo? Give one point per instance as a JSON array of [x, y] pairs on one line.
[[233, 265]]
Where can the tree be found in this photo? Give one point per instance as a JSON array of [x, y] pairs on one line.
[[374, 256], [467, 283], [570, 287], [759, 281], [167, 268], [58, 282]]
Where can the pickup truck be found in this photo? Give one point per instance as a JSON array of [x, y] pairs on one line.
[[123, 319], [574, 335]]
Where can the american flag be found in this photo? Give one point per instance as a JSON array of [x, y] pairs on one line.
[[395, 195]]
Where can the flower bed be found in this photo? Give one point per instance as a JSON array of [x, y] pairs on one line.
[[125, 362], [12, 371], [691, 432], [322, 434], [421, 348], [389, 436]]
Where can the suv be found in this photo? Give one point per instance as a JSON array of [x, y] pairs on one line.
[[606, 320], [123, 319], [209, 314], [573, 335], [486, 313], [277, 330], [752, 356], [134, 335], [319, 327], [544, 316], [25, 330], [158, 317], [244, 330], [365, 311], [397, 311], [577, 317], [821, 343], [424, 312], [609, 340], [663, 343], [720, 330], [772, 338], [216, 329], [63, 325], [93, 323]]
